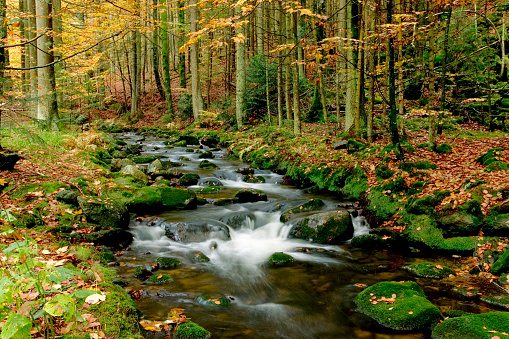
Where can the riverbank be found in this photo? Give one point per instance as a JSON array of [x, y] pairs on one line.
[[410, 205]]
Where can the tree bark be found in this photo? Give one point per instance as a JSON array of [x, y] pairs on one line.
[[240, 74], [195, 64], [155, 51], [296, 85], [165, 49]]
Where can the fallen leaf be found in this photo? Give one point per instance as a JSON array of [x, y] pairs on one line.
[[95, 299]]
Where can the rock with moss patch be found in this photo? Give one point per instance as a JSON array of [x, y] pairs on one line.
[[458, 224], [189, 179], [250, 195], [398, 305], [428, 270], [324, 228], [158, 279], [474, 326], [208, 190], [115, 238], [117, 164], [200, 257], [280, 259], [175, 198], [368, 241], [211, 301], [311, 205], [107, 214], [253, 179], [135, 172], [238, 220], [225, 201], [190, 330], [142, 273], [245, 171], [168, 263], [155, 166], [194, 232], [68, 197], [443, 148], [205, 164], [501, 265], [206, 155], [120, 282], [490, 156], [189, 139]]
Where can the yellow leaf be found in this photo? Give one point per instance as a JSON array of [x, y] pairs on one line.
[[3, 182]]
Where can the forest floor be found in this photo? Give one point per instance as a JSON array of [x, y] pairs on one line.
[[63, 162]]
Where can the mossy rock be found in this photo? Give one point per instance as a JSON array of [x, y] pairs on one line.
[[114, 238], [158, 279], [68, 197], [324, 228], [490, 156], [383, 172], [168, 263], [142, 273], [144, 159], [208, 190], [225, 201], [356, 185], [175, 198], [189, 179], [501, 265], [457, 224], [120, 282], [250, 195], [245, 171], [428, 270], [280, 259], [183, 158], [382, 205], [207, 300], [311, 205], [498, 300], [200, 257], [191, 330], [443, 148], [475, 326], [104, 212], [189, 139], [497, 166], [398, 305], [118, 315], [205, 164], [368, 242], [504, 279], [136, 173], [206, 155], [253, 179], [181, 143], [426, 205]]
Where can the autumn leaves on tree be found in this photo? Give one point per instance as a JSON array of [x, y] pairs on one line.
[[362, 60]]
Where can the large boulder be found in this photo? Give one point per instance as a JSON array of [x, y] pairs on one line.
[[135, 172], [324, 228], [250, 195], [205, 164], [194, 232], [68, 197], [474, 326], [398, 305], [155, 166], [117, 164], [104, 212], [497, 224]]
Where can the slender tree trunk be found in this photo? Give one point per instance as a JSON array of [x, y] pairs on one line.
[[372, 14], [351, 86], [195, 63], [279, 30], [444, 68], [288, 69], [393, 110], [240, 74], [135, 75], [32, 49], [165, 49], [3, 35], [182, 54], [341, 64], [296, 85], [155, 51], [502, 68], [46, 95], [401, 103]]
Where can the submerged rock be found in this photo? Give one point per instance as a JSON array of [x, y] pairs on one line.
[[168, 263], [195, 232], [239, 219], [281, 259], [207, 300], [324, 228], [142, 273], [429, 270], [474, 326], [205, 164], [158, 279], [398, 305]]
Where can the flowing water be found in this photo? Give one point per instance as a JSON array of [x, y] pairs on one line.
[[311, 299]]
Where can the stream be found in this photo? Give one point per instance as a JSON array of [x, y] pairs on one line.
[[311, 299]]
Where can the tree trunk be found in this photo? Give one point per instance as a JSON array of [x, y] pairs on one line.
[[393, 110], [279, 29], [240, 74], [32, 49], [296, 85], [444, 68], [182, 55], [155, 51], [195, 64], [135, 75], [165, 49], [46, 111], [288, 69], [351, 86]]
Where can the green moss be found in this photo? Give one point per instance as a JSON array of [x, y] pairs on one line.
[[127, 180], [476, 326], [408, 308], [429, 270], [207, 300], [208, 190], [497, 166], [181, 143], [383, 206], [144, 159], [311, 205], [118, 315], [356, 185], [191, 330], [490, 156], [253, 180], [205, 164], [224, 201], [189, 179], [280, 259], [168, 263], [142, 273], [200, 257], [383, 172], [159, 279], [395, 185], [443, 148], [501, 265], [175, 198], [368, 241]]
